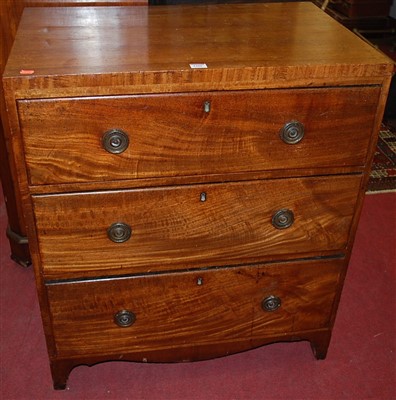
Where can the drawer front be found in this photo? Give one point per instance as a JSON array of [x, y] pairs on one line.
[[74, 140], [202, 307], [193, 226]]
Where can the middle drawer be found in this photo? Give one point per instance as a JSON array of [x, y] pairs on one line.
[[145, 230]]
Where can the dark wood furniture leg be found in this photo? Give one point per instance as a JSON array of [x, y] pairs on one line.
[[16, 231], [320, 344], [60, 371]]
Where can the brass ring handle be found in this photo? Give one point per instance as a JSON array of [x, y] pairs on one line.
[[119, 232], [292, 132], [124, 318], [115, 141], [271, 303], [283, 219]]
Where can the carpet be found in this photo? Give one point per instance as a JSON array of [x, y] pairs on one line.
[[383, 171], [361, 362]]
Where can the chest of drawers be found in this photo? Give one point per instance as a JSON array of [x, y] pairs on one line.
[[192, 176]]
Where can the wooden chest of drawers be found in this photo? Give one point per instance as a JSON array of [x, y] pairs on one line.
[[192, 176]]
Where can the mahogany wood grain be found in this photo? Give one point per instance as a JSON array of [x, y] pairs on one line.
[[86, 64], [226, 305], [172, 135], [190, 179], [10, 13], [172, 228], [243, 45], [15, 221], [62, 366]]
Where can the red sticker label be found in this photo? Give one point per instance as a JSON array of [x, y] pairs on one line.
[[26, 71]]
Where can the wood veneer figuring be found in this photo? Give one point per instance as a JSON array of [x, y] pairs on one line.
[[192, 176]]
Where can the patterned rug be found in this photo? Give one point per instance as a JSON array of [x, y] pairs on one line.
[[383, 172]]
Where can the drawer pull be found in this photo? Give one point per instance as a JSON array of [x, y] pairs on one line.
[[271, 303], [124, 318], [119, 232], [283, 219], [202, 197], [207, 106], [115, 141], [292, 132]]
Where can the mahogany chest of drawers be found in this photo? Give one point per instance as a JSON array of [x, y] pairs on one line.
[[192, 176]]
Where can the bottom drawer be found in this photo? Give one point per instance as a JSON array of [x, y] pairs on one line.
[[160, 311]]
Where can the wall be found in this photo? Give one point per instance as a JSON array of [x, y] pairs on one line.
[[393, 10]]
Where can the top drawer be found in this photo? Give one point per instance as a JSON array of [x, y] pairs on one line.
[[192, 134]]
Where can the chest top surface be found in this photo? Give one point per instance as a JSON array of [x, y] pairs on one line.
[[237, 43]]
